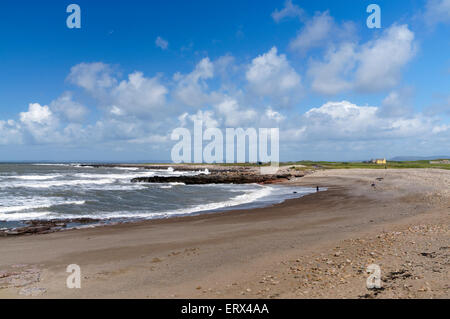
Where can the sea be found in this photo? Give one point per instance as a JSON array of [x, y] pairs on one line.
[[49, 191]]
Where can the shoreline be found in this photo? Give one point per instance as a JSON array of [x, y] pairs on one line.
[[283, 251]]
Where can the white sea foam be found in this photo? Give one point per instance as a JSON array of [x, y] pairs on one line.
[[113, 176], [36, 177], [127, 168], [81, 179], [48, 184], [248, 197], [25, 216], [11, 212]]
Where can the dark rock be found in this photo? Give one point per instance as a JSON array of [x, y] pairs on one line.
[[429, 255], [233, 178]]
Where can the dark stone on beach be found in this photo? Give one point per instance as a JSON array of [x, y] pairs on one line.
[[26, 230], [82, 220], [234, 178], [44, 226]]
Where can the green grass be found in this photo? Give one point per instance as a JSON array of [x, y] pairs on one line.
[[308, 165], [390, 164]]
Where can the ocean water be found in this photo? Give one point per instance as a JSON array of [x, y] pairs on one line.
[[62, 191]]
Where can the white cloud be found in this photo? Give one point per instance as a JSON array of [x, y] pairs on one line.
[[322, 31], [437, 11], [271, 74], [191, 89], [135, 110], [331, 76], [397, 104], [314, 33], [69, 109], [135, 96], [206, 117], [290, 10], [138, 95], [37, 114], [92, 76], [341, 121], [381, 60], [234, 115], [274, 115], [39, 124], [161, 43], [10, 133], [371, 67]]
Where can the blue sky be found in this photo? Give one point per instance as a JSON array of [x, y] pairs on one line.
[[334, 87]]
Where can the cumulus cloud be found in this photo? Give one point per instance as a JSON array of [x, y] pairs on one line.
[[92, 76], [39, 124], [345, 121], [10, 133], [234, 115], [133, 110], [68, 109], [437, 11], [371, 67], [398, 103], [161, 43], [381, 60], [138, 95], [333, 74], [270, 74], [207, 118], [321, 31], [290, 10], [191, 89], [36, 114], [273, 115]]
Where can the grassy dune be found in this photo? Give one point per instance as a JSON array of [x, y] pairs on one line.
[[341, 165], [308, 165]]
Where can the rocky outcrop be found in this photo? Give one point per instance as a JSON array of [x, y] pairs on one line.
[[232, 178], [44, 226]]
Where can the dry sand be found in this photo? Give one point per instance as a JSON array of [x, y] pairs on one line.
[[317, 246]]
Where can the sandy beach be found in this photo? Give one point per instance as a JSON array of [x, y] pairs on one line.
[[317, 246]]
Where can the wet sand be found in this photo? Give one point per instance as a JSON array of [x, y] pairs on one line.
[[312, 247]]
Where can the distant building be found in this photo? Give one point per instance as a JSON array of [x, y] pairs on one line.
[[379, 161]]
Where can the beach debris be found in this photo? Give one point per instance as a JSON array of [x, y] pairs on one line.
[[17, 279], [429, 255], [32, 291]]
